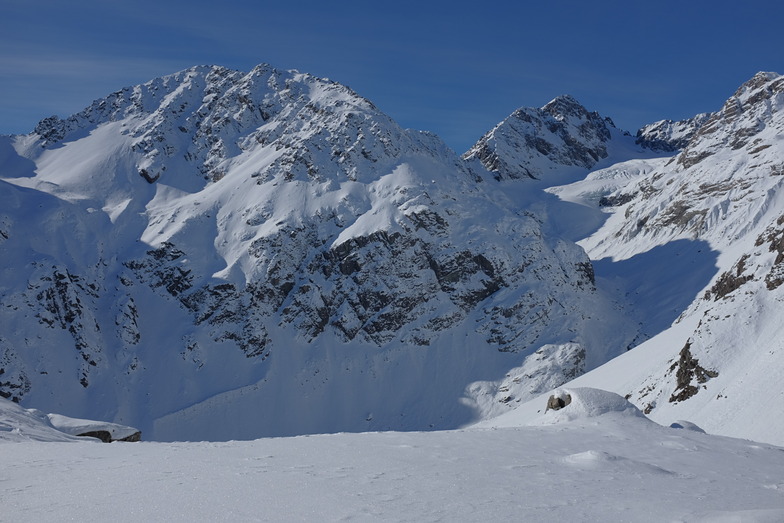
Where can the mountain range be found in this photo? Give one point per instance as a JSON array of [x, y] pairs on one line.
[[221, 255]]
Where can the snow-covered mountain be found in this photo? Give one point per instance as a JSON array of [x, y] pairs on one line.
[[214, 243], [217, 254], [715, 208], [668, 136]]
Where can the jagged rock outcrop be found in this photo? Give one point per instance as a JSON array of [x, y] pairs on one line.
[[668, 136], [558, 402]]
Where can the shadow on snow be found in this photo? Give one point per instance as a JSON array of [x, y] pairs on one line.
[[657, 286]]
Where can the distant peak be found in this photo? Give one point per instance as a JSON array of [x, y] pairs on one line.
[[565, 105], [564, 99], [757, 81], [765, 76]]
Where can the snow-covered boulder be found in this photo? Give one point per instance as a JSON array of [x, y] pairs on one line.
[[19, 424], [587, 403], [577, 404], [686, 425], [106, 432]]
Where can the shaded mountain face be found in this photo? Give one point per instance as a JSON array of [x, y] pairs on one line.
[[214, 243]]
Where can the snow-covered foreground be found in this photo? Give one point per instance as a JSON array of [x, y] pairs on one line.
[[598, 459]]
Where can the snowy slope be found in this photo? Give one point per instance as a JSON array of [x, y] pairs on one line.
[[712, 217], [215, 243], [600, 461]]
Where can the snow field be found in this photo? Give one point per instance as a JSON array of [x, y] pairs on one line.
[[600, 465]]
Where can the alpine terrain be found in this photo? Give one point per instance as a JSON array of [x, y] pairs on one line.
[[225, 255], [716, 207], [217, 254]]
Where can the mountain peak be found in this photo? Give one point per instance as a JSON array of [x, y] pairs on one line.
[[669, 136], [565, 105], [746, 120], [757, 81], [531, 142]]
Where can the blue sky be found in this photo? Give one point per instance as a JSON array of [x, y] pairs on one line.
[[455, 68]]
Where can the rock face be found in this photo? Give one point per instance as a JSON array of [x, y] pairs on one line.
[[214, 243], [106, 436], [667, 136]]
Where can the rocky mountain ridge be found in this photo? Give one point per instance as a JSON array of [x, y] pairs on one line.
[[668, 136], [270, 235]]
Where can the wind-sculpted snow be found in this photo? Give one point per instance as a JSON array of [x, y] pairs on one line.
[[216, 241], [606, 463], [24, 425]]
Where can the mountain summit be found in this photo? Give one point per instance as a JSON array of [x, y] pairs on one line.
[[531, 143], [716, 207]]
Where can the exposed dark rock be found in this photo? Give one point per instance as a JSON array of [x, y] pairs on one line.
[[51, 129], [689, 370], [557, 402], [150, 178], [729, 281], [680, 213], [774, 236], [586, 269], [106, 436], [616, 200]]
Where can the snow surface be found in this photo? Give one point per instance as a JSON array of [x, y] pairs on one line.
[[600, 461]]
